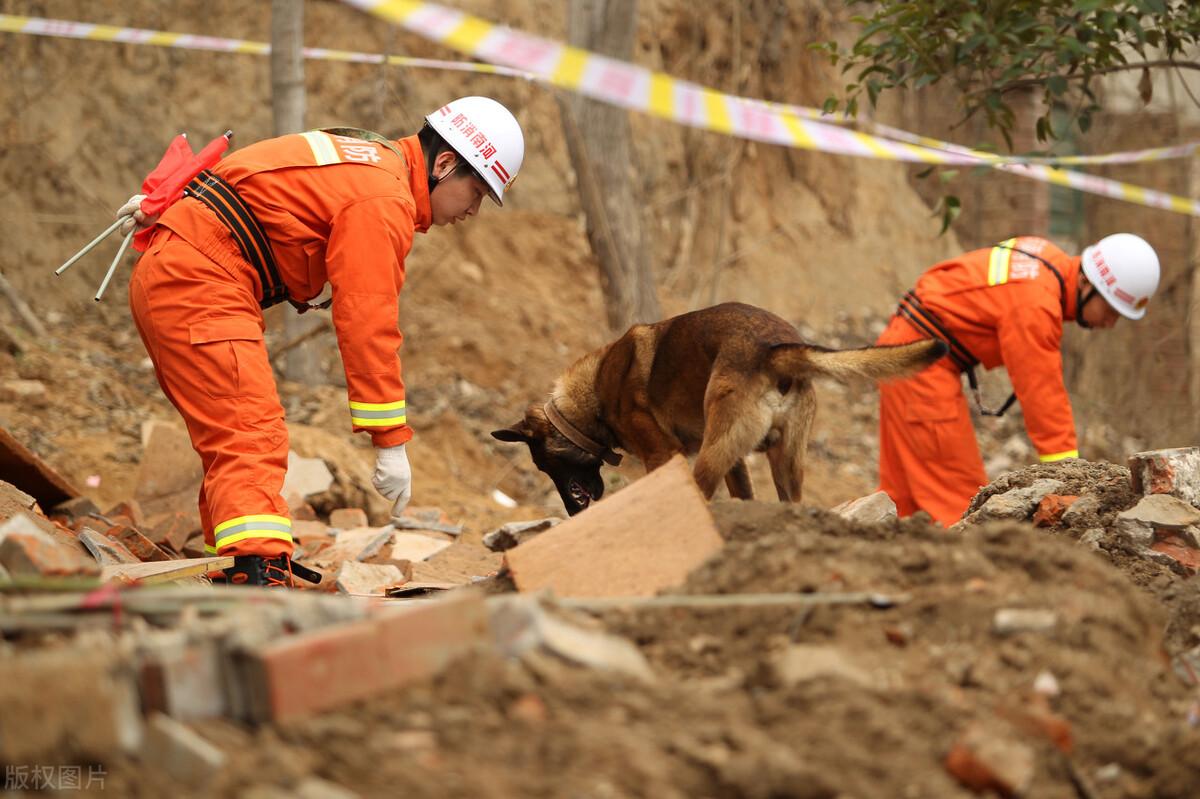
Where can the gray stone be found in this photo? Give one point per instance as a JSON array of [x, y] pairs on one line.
[[1080, 509], [1017, 504], [1092, 538], [1160, 515]]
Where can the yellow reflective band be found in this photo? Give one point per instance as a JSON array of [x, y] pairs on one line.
[[259, 517], [233, 539], [382, 421], [209, 549], [376, 406], [998, 261], [322, 148], [1058, 456]]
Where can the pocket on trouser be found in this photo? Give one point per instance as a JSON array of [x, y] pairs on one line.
[[231, 357]]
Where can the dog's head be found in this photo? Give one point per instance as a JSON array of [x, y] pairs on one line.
[[576, 474]]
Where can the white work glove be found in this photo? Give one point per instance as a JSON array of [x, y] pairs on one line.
[[134, 206], [393, 476]]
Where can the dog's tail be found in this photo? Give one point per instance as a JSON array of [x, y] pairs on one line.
[[801, 361]]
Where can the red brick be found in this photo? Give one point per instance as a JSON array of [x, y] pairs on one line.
[[30, 556], [142, 547], [131, 510], [173, 531], [194, 548], [305, 674], [984, 761], [1050, 510], [298, 509], [1167, 471]]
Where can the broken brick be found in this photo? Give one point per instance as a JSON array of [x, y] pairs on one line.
[[185, 684], [348, 518], [139, 545], [173, 530], [367, 579], [1179, 551], [983, 760], [77, 508], [25, 555], [180, 751], [361, 659], [1050, 510], [194, 548], [130, 509]]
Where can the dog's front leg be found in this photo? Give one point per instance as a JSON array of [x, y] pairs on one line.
[[652, 446]]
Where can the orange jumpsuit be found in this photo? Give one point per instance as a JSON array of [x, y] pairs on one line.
[[1006, 308], [334, 209]]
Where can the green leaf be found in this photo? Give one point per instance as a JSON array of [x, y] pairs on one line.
[[951, 208], [1057, 85]]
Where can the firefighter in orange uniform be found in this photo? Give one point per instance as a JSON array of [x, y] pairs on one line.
[[276, 221], [1004, 305]]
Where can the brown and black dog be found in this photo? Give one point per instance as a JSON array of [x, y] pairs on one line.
[[719, 383]]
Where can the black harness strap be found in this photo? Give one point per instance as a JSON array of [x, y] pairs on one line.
[[246, 230]]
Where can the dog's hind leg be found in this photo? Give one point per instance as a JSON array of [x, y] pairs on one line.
[[737, 480], [787, 455], [733, 425]]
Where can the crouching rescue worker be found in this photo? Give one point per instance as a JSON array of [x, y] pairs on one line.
[[275, 222], [1004, 305]]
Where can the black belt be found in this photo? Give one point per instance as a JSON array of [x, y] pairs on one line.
[[246, 230], [912, 309]]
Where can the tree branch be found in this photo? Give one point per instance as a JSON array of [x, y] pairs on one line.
[[1027, 82]]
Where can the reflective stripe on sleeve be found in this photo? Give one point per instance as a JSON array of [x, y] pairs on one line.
[[322, 147], [378, 414], [1058, 456], [258, 526], [998, 261]]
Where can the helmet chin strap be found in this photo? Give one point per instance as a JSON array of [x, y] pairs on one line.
[[1081, 301]]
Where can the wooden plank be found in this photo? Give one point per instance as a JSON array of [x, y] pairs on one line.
[[31, 474], [637, 542], [164, 571]]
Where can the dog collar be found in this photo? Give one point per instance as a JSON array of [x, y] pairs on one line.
[[578, 438]]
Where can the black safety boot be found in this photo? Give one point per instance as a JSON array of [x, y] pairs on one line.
[[277, 572]]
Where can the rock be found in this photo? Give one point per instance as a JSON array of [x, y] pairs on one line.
[[435, 519], [520, 625], [510, 535], [305, 477], [1092, 538], [804, 662], [26, 555], [348, 518], [1167, 471], [1157, 516], [1081, 510], [170, 471], [987, 760], [24, 392], [1021, 620], [871, 509], [1017, 504], [416, 547]]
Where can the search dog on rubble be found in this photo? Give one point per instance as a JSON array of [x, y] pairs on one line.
[[718, 383]]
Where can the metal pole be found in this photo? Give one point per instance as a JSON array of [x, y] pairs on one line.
[[88, 247], [113, 268]]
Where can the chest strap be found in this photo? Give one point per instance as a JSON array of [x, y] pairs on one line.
[[248, 234], [925, 320]]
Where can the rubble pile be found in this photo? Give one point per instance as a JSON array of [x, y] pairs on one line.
[[752, 648]]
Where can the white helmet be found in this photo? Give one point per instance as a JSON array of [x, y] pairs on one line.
[[486, 135], [1124, 269]]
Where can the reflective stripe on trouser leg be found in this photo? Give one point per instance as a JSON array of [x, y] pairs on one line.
[[241, 528], [203, 330]]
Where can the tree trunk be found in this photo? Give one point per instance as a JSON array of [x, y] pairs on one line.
[[599, 144], [287, 108]]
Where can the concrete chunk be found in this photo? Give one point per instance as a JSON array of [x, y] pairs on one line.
[[644, 538], [367, 579], [416, 547], [804, 662], [1167, 471], [1017, 504]]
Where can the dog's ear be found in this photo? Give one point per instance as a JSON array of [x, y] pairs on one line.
[[518, 433]]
